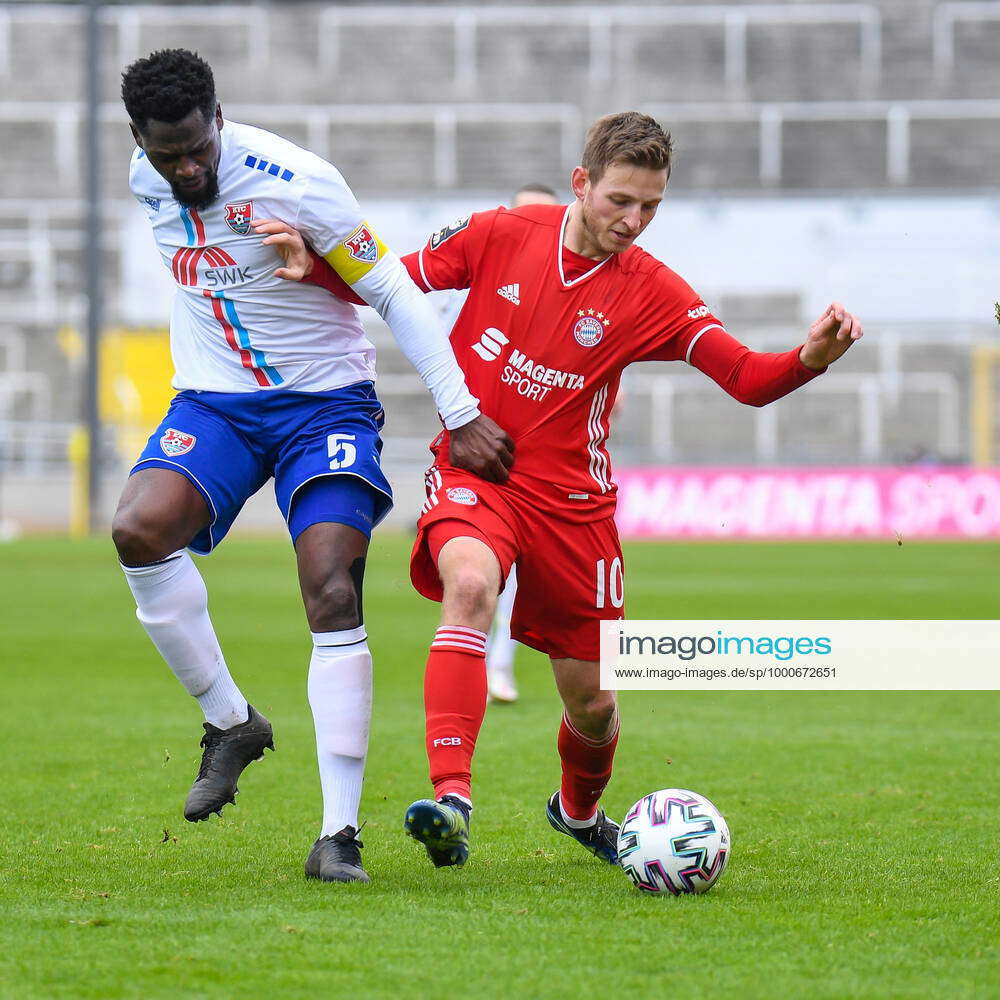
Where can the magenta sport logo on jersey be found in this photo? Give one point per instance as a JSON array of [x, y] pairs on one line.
[[463, 495], [589, 328], [239, 215], [174, 443]]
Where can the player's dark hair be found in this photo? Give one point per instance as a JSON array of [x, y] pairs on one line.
[[536, 189], [167, 86], [626, 137]]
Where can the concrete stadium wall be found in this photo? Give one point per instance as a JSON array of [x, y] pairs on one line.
[[859, 110]]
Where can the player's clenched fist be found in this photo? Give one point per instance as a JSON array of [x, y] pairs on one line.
[[483, 447], [830, 337]]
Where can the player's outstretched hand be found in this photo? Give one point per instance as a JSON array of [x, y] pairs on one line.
[[830, 337], [290, 246], [483, 447]]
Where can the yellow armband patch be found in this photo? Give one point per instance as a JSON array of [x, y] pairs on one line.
[[357, 255]]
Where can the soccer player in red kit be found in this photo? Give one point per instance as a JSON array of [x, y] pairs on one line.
[[560, 302]]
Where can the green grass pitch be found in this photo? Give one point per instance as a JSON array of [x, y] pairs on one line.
[[865, 857]]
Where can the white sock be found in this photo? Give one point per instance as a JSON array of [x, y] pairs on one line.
[[576, 824], [340, 695], [500, 647], [461, 798], [172, 605]]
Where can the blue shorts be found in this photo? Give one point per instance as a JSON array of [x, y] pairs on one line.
[[230, 443]]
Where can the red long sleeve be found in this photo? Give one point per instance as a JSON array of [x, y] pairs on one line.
[[326, 277], [751, 377]]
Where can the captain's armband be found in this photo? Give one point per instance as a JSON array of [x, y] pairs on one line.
[[357, 254]]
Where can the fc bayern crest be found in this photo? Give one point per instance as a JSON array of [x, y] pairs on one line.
[[175, 443], [361, 245], [589, 328], [463, 495], [239, 215]]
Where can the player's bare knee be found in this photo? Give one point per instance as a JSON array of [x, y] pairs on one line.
[[138, 536], [592, 713], [470, 593], [332, 605]]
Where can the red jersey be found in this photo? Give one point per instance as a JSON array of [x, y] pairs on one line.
[[545, 334]]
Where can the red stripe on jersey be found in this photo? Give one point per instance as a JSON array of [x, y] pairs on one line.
[[176, 265], [218, 257], [181, 259], [191, 261], [199, 227], [230, 333]]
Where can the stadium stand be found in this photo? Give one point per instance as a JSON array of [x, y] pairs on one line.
[[823, 99]]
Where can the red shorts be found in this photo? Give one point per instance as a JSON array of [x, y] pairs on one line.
[[569, 576]]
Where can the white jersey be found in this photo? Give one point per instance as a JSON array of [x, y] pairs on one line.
[[235, 327]]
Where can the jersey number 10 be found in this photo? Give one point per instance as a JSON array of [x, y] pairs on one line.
[[610, 582]]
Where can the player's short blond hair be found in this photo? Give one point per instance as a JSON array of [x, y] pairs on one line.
[[626, 137]]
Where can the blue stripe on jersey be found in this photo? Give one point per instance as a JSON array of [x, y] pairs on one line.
[[188, 226], [273, 169], [244, 339]]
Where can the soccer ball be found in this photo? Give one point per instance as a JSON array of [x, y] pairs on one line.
[[673, 841]]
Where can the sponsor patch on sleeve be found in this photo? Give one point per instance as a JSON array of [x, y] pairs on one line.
[[446, 234], [357, 255]]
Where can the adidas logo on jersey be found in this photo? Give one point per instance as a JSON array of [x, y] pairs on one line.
[[511, 293]]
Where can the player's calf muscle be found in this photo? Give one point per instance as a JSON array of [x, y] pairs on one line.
[[590, 709]]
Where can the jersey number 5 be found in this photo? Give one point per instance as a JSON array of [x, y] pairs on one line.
[[610, 582], [340, 450]]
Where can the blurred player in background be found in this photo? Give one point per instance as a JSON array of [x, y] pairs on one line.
[[534, 194], [274, 380], [501, 648], [560, 302]]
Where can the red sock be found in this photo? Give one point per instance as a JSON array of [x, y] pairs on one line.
[[586, 768], [454, 704]]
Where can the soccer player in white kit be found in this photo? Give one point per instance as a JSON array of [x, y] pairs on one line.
[[275, 379]]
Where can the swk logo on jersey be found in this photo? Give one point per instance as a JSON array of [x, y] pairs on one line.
[[239, 215], [491, 343], [221, 268]]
